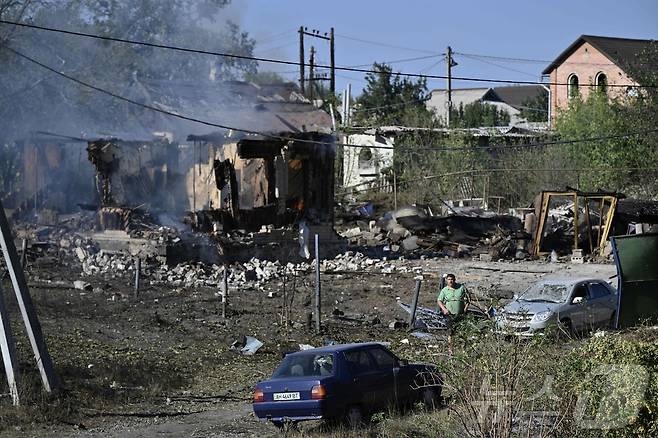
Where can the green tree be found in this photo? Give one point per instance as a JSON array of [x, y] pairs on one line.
[[619, 157], [389, 99], [477, 115], [535, 109]]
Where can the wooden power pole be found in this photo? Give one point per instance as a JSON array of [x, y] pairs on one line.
[[314, 33], [449, 79], [332, 57], [311, 74], [12, 262], [301, 59]]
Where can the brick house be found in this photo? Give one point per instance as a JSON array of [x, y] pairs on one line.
[[595, 62]]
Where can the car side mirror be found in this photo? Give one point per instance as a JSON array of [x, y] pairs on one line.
[[403, 362], [577, 300]]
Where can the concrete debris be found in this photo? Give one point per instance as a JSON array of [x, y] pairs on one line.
[[82, 285], [397, 324], [410, 243], [424, 336], [82, 255]]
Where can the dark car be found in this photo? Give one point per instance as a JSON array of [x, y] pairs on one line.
[[347, 381]]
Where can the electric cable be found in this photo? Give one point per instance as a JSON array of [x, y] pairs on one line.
[[279, 61], [284, 138]]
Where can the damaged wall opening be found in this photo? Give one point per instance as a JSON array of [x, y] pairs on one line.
[[224, 182]]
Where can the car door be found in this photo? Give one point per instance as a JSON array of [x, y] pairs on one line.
[[600, 304], [578, 312], [365, 378], [389, 390]]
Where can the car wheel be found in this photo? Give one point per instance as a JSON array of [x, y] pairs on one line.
[[354, 416], [431, 397], [278, 424]]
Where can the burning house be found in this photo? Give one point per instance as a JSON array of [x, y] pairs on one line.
[[274, 170], [258, 180]]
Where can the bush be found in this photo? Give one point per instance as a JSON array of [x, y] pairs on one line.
[[616, 379]]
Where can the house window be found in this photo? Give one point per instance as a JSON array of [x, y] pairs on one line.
[[572, 88], [601, 82], [365, 158]]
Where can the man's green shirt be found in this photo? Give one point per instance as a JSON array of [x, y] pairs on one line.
[[454, 299]]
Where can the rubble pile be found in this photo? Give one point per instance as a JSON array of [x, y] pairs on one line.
[[253, 273], [414, 229], [256, 272]]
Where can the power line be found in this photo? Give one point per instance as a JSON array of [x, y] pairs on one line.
[[279, 61], [526, 60], [404, 102], [378, 43], [153, 108], [284, 138], [397, 61], [475, 58]]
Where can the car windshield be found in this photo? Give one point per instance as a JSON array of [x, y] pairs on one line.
[[551, 292], [305, 365]]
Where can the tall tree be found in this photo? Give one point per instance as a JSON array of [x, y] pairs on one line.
[[535, 109], [390, 99], [621, 153], [41, 99]]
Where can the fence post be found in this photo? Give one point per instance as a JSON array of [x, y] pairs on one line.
[[138, 269], [414, 303], [318, 292]]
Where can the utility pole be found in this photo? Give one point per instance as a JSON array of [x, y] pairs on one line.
[[449, 79], [311, 74], [301, 59], [332, 82]]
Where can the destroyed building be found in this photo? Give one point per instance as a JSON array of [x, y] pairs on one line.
[[275, 169]]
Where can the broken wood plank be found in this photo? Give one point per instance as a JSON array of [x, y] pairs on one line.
[[32, 326]]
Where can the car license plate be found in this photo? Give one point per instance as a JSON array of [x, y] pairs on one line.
[[279, 396]]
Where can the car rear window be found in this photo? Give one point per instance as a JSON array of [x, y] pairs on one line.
[[306, 365]]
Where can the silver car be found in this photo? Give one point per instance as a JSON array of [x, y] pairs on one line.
[[574, 305]]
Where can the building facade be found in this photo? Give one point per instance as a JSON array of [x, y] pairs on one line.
[[596, 63]]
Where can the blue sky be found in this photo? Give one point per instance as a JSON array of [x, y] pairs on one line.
[[527, 29]]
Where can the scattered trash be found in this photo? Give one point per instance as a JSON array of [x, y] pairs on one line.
[[554, 257], [248, 345], [424, 336]]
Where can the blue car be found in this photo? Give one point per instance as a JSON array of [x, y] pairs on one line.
[[347, 382]]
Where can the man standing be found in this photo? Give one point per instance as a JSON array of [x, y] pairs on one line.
[[453, 300]]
